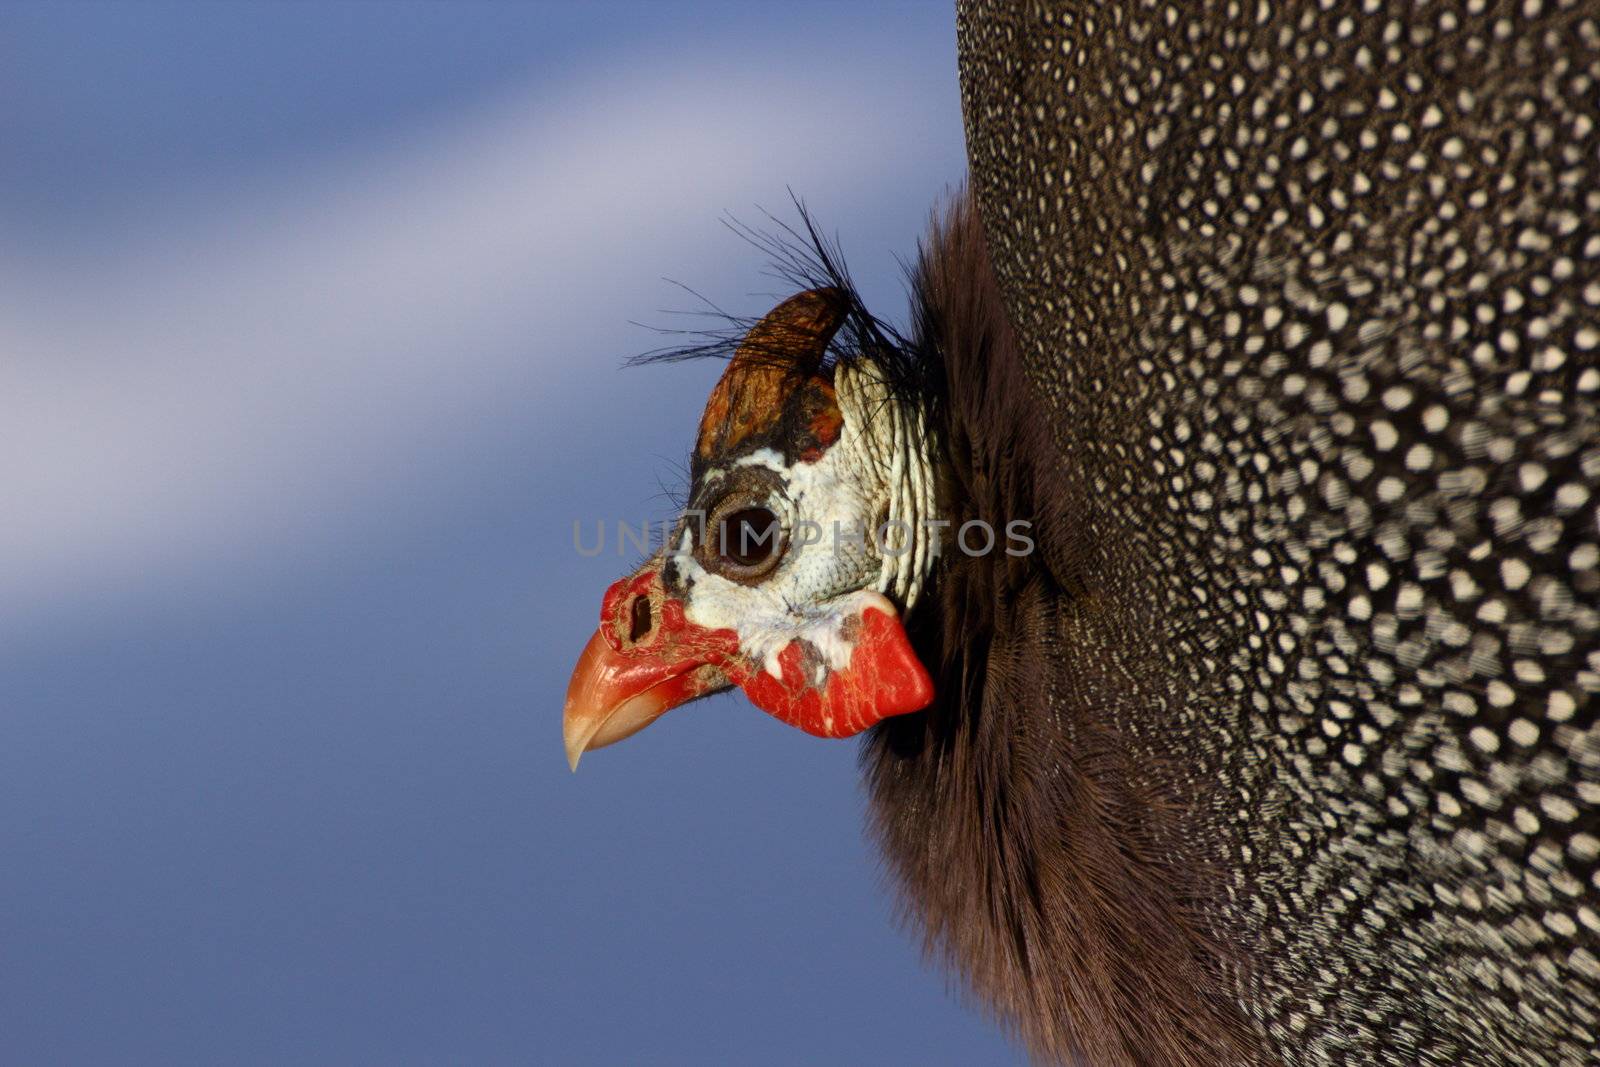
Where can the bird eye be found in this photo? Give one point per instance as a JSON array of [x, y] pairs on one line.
[[748, 540]]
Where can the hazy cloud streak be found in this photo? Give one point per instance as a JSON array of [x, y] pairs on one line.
[[231, 377]]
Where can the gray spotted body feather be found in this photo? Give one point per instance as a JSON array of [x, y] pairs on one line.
[[1308, 300]]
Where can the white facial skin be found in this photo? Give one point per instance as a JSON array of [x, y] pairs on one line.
[[814, 588]]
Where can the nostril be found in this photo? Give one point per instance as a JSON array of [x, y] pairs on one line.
[[641, 619]]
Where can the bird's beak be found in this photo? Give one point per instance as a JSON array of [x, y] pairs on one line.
[[644, 660]]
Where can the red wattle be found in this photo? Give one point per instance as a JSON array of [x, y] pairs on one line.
[[884, 677]]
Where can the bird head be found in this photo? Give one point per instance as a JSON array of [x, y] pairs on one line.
[[804, 538]]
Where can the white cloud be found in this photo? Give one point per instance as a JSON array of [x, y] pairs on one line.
[[245, 368]]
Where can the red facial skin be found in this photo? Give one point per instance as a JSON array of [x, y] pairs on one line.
[[883, 678], [621, 685]]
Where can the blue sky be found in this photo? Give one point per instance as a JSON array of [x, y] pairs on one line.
[[314, 318]]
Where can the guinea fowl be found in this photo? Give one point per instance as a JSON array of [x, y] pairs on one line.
[[1259, 727]]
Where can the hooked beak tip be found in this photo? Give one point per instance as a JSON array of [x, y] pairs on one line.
[[611, 698], [576, 744], [584, 716]]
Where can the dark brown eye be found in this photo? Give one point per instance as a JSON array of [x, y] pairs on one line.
[[747, 539]]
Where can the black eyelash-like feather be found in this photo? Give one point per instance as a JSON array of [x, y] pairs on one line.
[[801, 258]]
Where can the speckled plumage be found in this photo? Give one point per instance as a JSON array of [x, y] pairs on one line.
[[1307, 299]]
